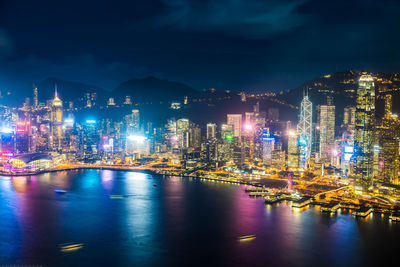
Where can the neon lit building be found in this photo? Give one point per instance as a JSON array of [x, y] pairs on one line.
[[56, 122], [326, 122], [236, 121], [389, 143], [304, 131], [268, 147], [364, 133]]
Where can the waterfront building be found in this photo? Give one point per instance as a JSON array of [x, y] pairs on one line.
[[364, 140]]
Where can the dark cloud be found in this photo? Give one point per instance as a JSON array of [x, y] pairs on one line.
[[250, 19], [236, 44]]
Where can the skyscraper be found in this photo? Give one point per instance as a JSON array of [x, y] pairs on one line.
[[388, 137], [35, 97], [293, 151], [56, 121], [326, 121], [211, 130], [349, 118], [236, 121], [304, 131], [364, 133]]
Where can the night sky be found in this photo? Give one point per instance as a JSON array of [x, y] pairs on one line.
[[226, 44]]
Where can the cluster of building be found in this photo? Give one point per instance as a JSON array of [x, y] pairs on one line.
[[257, 141]]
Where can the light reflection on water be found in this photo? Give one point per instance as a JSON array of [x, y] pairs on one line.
[[174, 221]]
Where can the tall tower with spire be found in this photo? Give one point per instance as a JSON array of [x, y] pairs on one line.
[[304, 130], [35, 97], [56, 121]]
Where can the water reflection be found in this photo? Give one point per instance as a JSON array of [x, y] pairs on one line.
[[177, 222]]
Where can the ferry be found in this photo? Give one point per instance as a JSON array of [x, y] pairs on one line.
[[71, 247], [60, 191], [246, 237], [302, 202], [116, 196], [363, 211], [395, 216], [330, 207]]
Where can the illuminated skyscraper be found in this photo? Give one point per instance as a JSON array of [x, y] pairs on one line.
[[364, 133], [326, 121], [56, 122], [304, 131], [293, 151], [268, 142], [236, 121], [35, 97], [227, 132], [211, 130], [182, 132], [349, 118], [132, 121], [388, 137]]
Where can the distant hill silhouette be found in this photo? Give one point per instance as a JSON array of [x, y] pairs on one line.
[[67, 90], [154, 89]]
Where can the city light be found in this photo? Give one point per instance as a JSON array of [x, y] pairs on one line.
[[248, 127], [91, 121], [137, 138]]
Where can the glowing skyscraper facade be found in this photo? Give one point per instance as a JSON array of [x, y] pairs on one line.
[[326, 121], [364, 133], [56, 122], [304, 130]]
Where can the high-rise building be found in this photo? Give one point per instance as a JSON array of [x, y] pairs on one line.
[[268, 147], [35, 97], [132, 121], [304, 131], [364, 133], [56, 122], [182, 132], [236, 121], [211, 130], [326, 122], [293, 151], [389, 143], [226, 132], [349, 118]]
